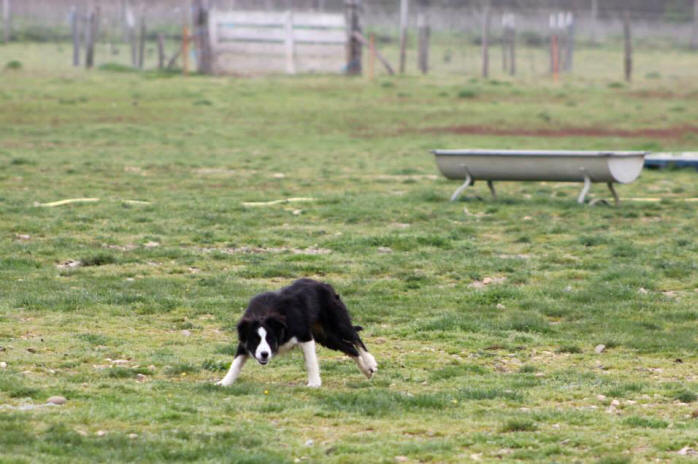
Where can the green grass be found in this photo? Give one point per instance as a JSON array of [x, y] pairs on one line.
[[137, 331]]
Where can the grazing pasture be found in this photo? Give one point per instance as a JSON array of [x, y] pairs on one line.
[[486, 317]]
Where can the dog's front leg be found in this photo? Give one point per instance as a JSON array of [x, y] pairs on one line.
[[235, 368], [311, 363]]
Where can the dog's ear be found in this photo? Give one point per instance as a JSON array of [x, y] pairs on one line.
[[243, 329], [278, 323]]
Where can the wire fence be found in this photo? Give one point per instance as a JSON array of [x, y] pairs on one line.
[[519, 33]]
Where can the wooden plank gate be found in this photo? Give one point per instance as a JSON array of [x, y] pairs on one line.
[[263, 42]]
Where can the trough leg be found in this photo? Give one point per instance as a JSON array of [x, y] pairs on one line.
[[613, 191], [585, 190], [490, 184], [459, 190]]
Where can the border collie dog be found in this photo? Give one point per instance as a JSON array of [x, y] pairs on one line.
[[300, 314]]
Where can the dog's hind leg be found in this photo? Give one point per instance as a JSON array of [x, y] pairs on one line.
[[311, 363], [235, 368]]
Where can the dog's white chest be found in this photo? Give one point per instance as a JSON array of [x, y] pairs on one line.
[[289, 345]]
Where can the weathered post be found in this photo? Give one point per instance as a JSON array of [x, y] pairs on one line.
[[423, 33], [628, 61], [372, 56], [485, 40], [594, 16], [511, 38], [75, 29], [130, 28], [201, 13], [290, 44], [141, 41], [404, 4], [569, 42], [508, 42], [694, 34], [354, 48], [185, 50], [6, 21], [161, 51], [91, 37]]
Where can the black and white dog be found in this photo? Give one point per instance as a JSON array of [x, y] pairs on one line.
[[300, 314]]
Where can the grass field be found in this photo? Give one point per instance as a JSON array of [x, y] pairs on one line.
[[483, 315]]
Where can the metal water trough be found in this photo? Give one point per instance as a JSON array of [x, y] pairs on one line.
[[540, 165]]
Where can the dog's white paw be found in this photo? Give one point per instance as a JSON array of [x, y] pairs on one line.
[[315, 383], [224, 383]]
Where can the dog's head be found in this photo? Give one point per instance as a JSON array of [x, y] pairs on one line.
[[261, 338]]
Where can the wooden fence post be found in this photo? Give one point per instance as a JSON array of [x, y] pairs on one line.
[[404, 4], [694, 33], [91, 37], [161, 51], [6, 21], [628, 61], [290, 44], [201, 14], [130, 24], [372, 56], [185, 50], [141, 42], [510, 42], [569, 49], [593, 18], [354, 48], [423, 34], [75, 28], [485, 41]]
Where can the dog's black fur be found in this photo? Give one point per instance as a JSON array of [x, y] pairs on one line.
[[307, 310]]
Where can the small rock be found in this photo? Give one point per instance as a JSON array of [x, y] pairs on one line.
[[309, 443], [501, 306], [133, 436], [401, 459], [600, 349], [278, 175], [642, 291], [151, 244], [141, 378], [385, 250], [82, 433], [615, 403], [687, 451], [2, 348], [58, 400], [600, 397], [487, 280], [3, 365], [186, 333], [297, 212], [31, 350], [23, 236], [100, 433]]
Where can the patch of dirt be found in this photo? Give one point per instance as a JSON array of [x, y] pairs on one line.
[[259, 250], [651, 133]]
